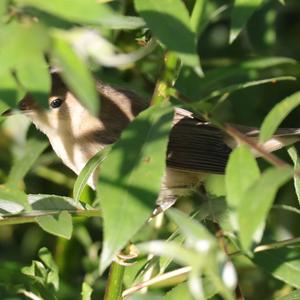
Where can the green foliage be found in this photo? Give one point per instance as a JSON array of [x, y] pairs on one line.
[[138, 162], [243, 222]]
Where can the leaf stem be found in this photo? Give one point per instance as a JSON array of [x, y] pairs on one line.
[[158, 279], [115, 280]]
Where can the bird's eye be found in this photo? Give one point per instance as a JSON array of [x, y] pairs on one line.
[[55, 103]]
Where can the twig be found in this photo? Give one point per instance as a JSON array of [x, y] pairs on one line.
[[220, 237], [157, 279], [271, 246], [30, 216], [236, 134]]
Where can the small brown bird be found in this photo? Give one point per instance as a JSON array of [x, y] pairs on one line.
[[195, 147]]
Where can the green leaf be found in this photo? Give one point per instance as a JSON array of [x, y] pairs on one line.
[[76, 74], [277, 115], [196, 235], [32, 38], [3, 8], [241, 172], [131, 178], [295, 295], [181, 291], [215, 184], [34, 76], [44, 202], [256, 202], [9, 197], [61, 225], [52, 274], [283, 264], [87, 11], [173, 250], [8, 89], [170, 22], [295, 158], [33, 149], [87, 171], [233, 77], [199, 16], [242, 11]]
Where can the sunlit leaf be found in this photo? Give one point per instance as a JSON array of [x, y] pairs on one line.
[[295, 158], [60, 225], [32, 38], [88, 11], [196, 235], [131, 177], [295, 295], [33, 149], [181, 291], [283, 264], [76, 74], [199, 17], [10, 197], [278, 113], [256, 202], [172, 250], [44, 202], [242, 11], [241, 172], [87, 171], [3, 8], [35, 78], [215, 184], [234, 77], [170, 22]]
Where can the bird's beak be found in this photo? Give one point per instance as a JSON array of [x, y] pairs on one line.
[[24, 106], [8, 113]]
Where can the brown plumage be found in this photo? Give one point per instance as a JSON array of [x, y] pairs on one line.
[[195, 147]]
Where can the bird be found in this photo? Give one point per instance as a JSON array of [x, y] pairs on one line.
[[195, 147]]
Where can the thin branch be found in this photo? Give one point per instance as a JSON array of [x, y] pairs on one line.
[[270, 246], [273, 159], [157, 279], [30, 216]]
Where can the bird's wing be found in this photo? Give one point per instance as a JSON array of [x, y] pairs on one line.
[[196, 145]]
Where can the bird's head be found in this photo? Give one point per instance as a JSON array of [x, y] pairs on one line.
[[63, 114]]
